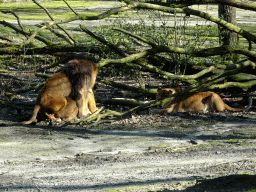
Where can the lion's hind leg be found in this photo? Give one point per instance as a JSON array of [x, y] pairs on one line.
[[216, 103]]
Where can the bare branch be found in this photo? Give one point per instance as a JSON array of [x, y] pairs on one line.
[[5, 38], [104, 41], [17, 17], [127, 87], [70, 7], [70, 39], [135, 36], [81, 17], [40, 38]]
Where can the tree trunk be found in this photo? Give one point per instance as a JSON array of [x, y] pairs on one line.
[[227, 13]]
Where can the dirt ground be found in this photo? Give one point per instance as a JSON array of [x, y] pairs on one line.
[[144, 152]]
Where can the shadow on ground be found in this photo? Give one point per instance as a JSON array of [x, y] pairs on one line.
[[226, 183]]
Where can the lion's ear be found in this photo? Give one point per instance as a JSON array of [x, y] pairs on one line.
[[159, 88]]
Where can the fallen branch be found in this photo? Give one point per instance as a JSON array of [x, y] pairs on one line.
[[151, 92], [123, 115], [121, 101], [89, 118], [104, 41], [17, 17], [188, 11], [26, 34]]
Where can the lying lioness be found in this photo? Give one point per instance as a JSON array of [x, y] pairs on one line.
[[196, 102]]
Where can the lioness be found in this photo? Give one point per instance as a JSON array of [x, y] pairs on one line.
[[196, 102], [71, 85], [63, 109]]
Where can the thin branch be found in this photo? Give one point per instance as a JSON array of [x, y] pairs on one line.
[[71, 40], [37, 70], [5, 38], [120, 116], [135, 36], [40, 38], [70, 8], [122, 101], [81, 17], [151, 92], [89, 118], [104, 41], [222, 50], [17, 17]]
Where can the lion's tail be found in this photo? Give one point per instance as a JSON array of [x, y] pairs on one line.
[[231, 108], [245, 109], [33, 118]]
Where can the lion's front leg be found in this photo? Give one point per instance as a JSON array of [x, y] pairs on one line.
[[91, 102], [82, 104]]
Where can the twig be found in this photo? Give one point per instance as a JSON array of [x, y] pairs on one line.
[[61, 35], [85, 119], [136, 36], [5, 38], [127, 87], [70, 8], [104, 41], [69, 39], [17, 17], [40, 38], [120, 116], [121, 101], [79, 17]]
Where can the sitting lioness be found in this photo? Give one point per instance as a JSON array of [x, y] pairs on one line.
[[65, 109], [68, 93], [196, 102]]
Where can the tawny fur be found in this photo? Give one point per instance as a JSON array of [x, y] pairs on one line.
[[67, 113], [198, 102], [68, 93]]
